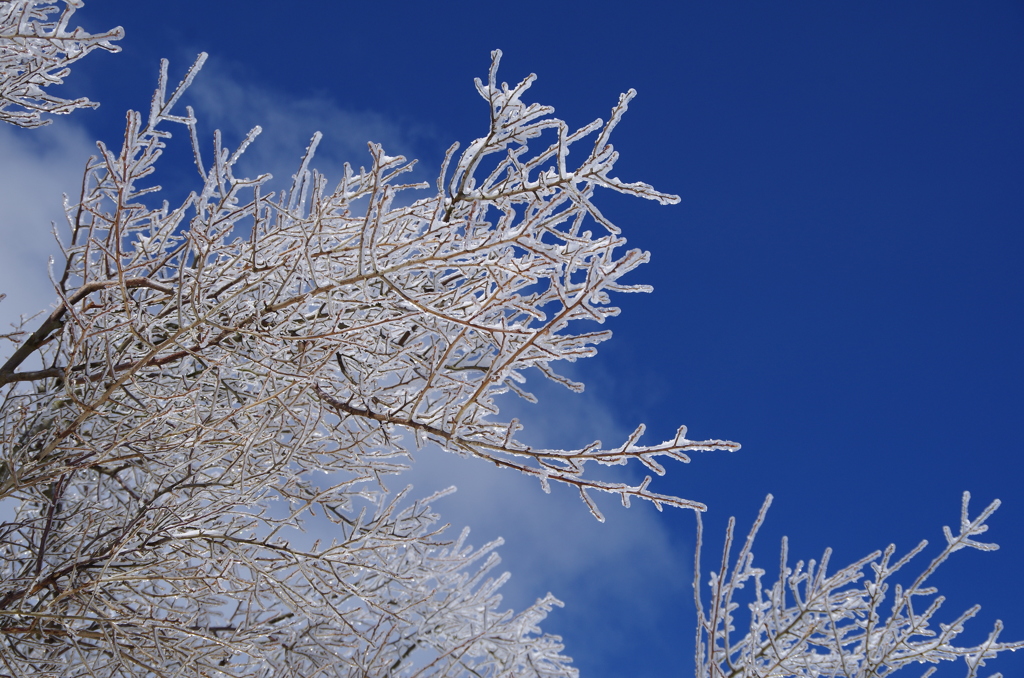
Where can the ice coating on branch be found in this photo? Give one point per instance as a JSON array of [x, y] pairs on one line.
[[36, 51]]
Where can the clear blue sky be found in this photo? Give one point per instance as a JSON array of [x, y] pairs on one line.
[[840, 290]]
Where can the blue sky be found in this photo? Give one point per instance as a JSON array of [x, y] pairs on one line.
[[840, 289]]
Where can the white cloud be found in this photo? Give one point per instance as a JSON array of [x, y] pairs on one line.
[[36, 167]]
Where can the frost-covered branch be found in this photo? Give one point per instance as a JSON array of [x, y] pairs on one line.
[[389, 316], [218, 374], [810, 623], [36, 50]]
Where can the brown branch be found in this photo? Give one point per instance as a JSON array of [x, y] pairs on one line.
[[56, 321]]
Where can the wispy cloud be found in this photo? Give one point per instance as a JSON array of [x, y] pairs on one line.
[[223, 102], [36, 167]]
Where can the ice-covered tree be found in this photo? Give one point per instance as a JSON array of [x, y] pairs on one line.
[[220, 373]]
